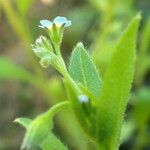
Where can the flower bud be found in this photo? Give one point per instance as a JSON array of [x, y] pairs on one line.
[[42, 47]]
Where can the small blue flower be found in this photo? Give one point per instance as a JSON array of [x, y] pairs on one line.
[[45, 24], [62, 20], [58, 21], [83, 98]]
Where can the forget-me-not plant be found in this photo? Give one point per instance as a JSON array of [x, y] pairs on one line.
[[99, 104]]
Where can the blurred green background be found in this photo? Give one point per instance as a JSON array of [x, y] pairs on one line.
[[26, 89]]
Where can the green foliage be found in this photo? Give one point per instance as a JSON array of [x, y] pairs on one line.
[[77, 107], [8, 70], [127, 129], [99, 107], [143, 59], [101, 122], [101, 114], [51, 142], [39, 130], [142, 104], [115, 90], [25, 122], [23, 6], [82, 70]]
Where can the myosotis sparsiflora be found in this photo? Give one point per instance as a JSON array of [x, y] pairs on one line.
[[99, 103]]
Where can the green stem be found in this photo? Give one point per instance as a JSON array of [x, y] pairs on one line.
[[69, 79], [56, 108], [65, 73]]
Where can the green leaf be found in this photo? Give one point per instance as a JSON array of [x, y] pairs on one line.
[[51, 142], [37, 131], [8, 70], [83, 119], [83, 70], [24, 5], [116, 88], [25, 122], [71, 94]]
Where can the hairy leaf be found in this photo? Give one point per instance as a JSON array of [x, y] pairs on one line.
[[50, 141], [83, 70], [36, 132], [116, 87]]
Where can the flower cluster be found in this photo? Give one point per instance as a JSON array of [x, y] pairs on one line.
[[55, 29], [58, 21], [49, 49], [42, 47]]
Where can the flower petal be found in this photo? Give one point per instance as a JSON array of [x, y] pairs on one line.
[[83, 98], [45, 23], [68, 23], [62, 20]]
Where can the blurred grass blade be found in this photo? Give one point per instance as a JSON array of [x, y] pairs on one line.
[[127, 131], [143, 55], [84, 71], [116, 87], [8, 70], [23, 6], [18, 24], [145, 38]]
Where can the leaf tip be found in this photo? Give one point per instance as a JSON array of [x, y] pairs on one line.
[[138, 16], [16, 120], [80, 44]]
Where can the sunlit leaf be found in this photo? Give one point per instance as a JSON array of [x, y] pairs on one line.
[[116, 87]]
